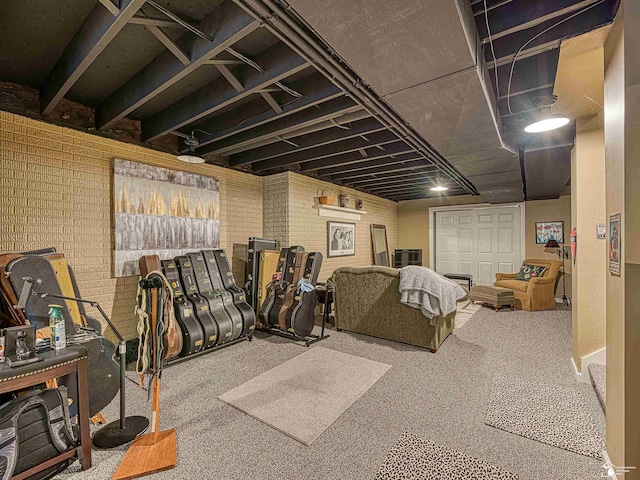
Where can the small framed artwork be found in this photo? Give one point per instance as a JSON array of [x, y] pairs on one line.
[[546, 231], [341, 239], [615, 234]]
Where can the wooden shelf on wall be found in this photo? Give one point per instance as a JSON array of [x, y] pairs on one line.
[[338, 212]]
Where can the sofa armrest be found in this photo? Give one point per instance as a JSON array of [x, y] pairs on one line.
[[505, 276]]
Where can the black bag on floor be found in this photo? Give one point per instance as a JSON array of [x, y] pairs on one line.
[[34, 428]]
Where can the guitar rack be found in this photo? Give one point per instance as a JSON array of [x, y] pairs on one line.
[[176, 360], [309, 339]]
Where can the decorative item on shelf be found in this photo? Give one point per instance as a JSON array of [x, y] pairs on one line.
[[343, 200], [325, 199], [359, 204], [563, 254]]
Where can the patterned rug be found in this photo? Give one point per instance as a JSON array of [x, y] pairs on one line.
[[303, 396], [546, 413], [465, 310], [418, 459]]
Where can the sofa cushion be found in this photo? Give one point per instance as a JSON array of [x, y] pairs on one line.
[[517, 285], [527, 272]]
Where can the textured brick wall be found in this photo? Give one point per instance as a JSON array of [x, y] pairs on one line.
[[276, 208], [306, 228], [56, 191]]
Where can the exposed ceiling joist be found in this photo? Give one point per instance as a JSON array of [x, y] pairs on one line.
[[279, 62], [158, 22], [229, 23], [378, 139], [230, 77], [112, 7], [298, 114], [396, 148], [529, 52], [275, 106], [303, 142], [366, 163], [384, 170], [167, 42], [400, 181], [100, 27]]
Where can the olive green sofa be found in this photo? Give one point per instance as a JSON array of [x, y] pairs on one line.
[[367, 301]]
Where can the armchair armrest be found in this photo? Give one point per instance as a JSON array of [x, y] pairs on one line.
[[505, 276]]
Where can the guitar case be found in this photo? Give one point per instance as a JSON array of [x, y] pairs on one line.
[[256, 246], [103, 372], [172, 332], [216, 307], [268, 267], [300, 317], [192, 333], [301, 260], [227, 298], [281, 288], [219, 258], [200, 305]]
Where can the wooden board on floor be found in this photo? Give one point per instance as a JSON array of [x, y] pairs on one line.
[[148, 454]]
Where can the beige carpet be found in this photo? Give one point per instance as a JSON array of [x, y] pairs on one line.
[[303, 396]]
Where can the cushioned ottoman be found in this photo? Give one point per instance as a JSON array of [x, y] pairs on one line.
[[496, 296]]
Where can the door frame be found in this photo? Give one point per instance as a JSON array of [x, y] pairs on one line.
[[473, 206]]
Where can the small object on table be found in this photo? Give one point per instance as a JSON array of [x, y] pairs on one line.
[[460, 276], [497, 297], [20, 345]]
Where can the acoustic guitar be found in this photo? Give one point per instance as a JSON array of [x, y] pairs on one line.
[[301, 260], [281, 288], [301, 315]]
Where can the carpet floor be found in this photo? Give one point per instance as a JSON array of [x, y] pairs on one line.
[[441, 397]]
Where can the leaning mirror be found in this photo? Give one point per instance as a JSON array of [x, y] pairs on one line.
[[379, 245]]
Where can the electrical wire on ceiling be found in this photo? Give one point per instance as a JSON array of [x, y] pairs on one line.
[[515, 57], [493, 52]]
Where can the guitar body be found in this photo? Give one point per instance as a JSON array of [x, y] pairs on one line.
[[216, 306], [280, 289], [219, 258], [192, 333], [301, 314], [301, 260], [227, 298], [200, 305], [14, 317], [270, 290], [266, 271]]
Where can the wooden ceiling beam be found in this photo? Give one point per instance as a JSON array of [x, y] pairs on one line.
[[93, 36]]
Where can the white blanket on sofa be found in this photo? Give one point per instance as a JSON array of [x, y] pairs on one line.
[[433, 294]]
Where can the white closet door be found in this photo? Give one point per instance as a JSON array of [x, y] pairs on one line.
[[454, 242], [481, 241], [498, 243]]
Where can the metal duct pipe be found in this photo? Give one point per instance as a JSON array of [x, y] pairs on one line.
[[341, 120], [285, 27]]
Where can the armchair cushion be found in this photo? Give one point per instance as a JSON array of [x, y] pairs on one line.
[[527, 272], [515, 285]]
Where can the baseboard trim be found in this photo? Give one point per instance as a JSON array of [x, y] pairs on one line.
[[582, 375]]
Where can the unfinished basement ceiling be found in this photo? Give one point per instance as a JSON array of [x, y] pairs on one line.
[[389, 97]]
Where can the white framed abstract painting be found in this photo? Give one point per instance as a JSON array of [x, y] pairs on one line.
[[546, 231]]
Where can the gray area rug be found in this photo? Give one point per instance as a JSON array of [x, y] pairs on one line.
[[418, 459], [598, 375], [303, 396], [546, 413]]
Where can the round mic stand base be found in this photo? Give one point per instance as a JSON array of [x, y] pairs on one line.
[[111, 435]]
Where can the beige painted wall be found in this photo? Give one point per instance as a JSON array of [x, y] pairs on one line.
[[588, 209], [622, 150], [56, 191], [304, 226], [414, 224]]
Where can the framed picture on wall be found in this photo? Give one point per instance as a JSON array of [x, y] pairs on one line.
[[341, 239], [546, 231], [615, 234]]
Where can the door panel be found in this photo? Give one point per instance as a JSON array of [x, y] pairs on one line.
[[480, 241]]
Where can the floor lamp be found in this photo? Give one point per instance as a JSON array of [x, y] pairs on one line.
[[563, 254]]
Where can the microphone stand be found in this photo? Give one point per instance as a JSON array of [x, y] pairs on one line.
[[125, 429]]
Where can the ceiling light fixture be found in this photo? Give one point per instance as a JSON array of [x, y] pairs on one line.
[[191, 156], [439, 188], [547, 123]]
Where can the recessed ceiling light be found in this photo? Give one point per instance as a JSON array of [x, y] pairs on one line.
[[439, 188], [550, 122]]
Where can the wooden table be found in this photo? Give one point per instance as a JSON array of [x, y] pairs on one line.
[[55, 364]]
